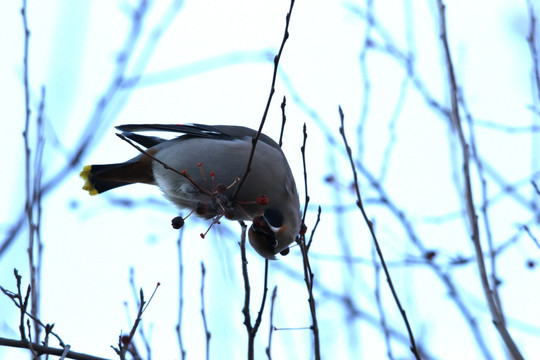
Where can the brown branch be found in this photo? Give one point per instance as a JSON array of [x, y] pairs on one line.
[[32, 182], [125, 342], [263, 301], [283, 120], [308, 279], [271, 330], [532, 41], [380, 308], [469, 201], [314, 227], [203, 313], [36, 256], [22, 305], [308, 273], [268, 102], [108, 104], [27, 343], [401, 217], [247, 290], [251, 329], [360, 205], [46, 350], [303, 151], [180, 295], [484, 208]]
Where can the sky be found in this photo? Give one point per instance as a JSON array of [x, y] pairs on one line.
[[211, 62]]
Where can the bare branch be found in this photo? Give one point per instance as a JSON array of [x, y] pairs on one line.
[[471, 211], [251, 329], [45, 350], [181, 294], [271, 330], [308, 273], [203, 313], [268, 102], [360, 205]]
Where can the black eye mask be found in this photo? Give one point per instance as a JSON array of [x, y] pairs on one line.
[[260, 227], [273, 217]]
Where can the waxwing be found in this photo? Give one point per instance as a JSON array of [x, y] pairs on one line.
[[201, 171]]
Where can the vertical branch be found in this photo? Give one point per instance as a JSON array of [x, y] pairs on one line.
[[308, 274], [247, 291], [33, 173], [125, 342], [36, 256], [469, 201], [21, 303], [303, 151], [360, 205], [271, 330], [283, 120], [308, 279], [112, 100], [180, 295], [533, 48], [535, 82], [203, 313], [268, 102], [319, 210], [251, 329], [378, 301], [366, 80], [263, 301], [484, 210], [28, 206]]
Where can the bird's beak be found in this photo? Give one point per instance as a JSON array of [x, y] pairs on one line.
[[262, 237]]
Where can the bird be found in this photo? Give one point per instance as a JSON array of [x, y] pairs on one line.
[[202, 170]]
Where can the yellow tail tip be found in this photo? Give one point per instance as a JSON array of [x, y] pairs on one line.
[[88, 186]]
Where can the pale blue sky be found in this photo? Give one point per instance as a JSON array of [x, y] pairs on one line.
[[213, 65]]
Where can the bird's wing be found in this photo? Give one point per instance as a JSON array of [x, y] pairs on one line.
[[217, 132], [198, 130]]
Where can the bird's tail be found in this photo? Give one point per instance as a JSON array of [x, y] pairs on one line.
[[101, 178]]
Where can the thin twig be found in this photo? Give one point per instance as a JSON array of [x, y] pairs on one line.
[[471, 211], [263, 300], [308, 273], [125, 341], [360, 205], [21, 302], [203, 313], [303, 151], [484, 209], [271, 329], [283, 120], [36, 256], [108, 104], [32, 179], [247, 290], [167, 167], [308, 279], [380, 308], [181, 294], [251, 329], [354, 311], [46, 350], [314, 227], [268, 102]]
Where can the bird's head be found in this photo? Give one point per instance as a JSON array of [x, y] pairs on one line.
[[272, 233]]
